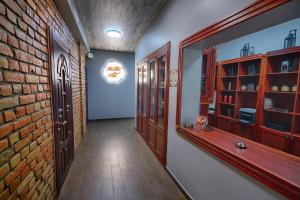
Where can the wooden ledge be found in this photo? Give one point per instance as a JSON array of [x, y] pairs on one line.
[[274, 168]]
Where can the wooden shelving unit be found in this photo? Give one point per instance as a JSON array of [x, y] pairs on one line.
[[233, 74]]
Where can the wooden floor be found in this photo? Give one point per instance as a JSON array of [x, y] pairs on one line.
[[113, 162]]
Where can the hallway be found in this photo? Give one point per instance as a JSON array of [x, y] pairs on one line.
[[113, 162]]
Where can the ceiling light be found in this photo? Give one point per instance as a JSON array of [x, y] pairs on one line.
[[113, 33]]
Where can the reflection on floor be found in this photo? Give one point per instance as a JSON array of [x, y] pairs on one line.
[[113, 162]]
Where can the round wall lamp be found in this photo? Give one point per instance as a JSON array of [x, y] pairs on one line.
[[113, 33]]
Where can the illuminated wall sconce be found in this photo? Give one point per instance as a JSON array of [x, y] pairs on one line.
[[114, 72]]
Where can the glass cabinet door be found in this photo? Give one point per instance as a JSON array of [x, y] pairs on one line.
[[161, 90], [145, 77], [152, 90], [140, 90]]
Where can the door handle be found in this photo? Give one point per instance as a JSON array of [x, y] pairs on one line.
[[62, 123]]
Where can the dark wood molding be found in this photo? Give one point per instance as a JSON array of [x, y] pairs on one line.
[[281, 171]]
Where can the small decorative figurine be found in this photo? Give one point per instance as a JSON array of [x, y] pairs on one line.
[[285, 88], [274, 88], [290, 40], [201, 122], [225, 99], [285, 66], [243, 87], [229, 85], [257, 87], [268, 103], [230, 99], [241, 145], [252, 69], [246, 50]]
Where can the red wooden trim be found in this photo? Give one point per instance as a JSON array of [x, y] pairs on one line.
[[284, 51], [275, 171], [281, 183], [256, 8]]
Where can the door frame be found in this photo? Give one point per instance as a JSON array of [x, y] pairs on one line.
[[53, 35]]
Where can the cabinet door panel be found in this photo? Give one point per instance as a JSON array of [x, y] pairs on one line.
[[144, 128], [160, 143], [296, 146], [224, 124], [275, 140], [151, 138]]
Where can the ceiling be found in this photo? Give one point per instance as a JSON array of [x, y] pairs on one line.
[[131, 17]]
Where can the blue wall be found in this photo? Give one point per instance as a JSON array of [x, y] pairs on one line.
[[106, 101]]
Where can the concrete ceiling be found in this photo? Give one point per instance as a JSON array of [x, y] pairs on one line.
[[132, 17]]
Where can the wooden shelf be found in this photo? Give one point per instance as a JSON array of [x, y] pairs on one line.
[[276, 111], [227, 117], [228, 104], [282, 73], [275, 131], [271, 92], [228, 90], [249, 76], [229, 77], [248, 91]]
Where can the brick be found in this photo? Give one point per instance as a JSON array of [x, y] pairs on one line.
[[14, 6], [3, 36], [5, 129], [6, 155], [22, 24], [25, 182], [14, 77], [30, 109], [20, 111], [26, 99], [20, 167], [24, 67], [26, 89], [21, 34], [32, 146], [24, 152], [39, 132], [4, 195], [43, 79], [13, 138], [2, 9], [22, 143], [33, 155], [5, 50], [23, 46], [15, 184], [1, 186], [13, 65], [22, 56], [3, 144], [24, 132], [15, 160], [4, 169], [22, 122], [1, 118], [40, 96], [9, 115], [3, 63], [32, 4], [34, 88], [7, 25], [5, 90], [17, 89], [32, 78], [11, 16], [10, 177]]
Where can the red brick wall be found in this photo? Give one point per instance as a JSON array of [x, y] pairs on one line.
[[26, 137]]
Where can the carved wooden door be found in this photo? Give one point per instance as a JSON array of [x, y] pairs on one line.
[[62, 108]]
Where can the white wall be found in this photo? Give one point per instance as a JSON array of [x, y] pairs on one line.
[[201, 174]]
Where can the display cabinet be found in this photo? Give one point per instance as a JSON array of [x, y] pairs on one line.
[[155, 93]]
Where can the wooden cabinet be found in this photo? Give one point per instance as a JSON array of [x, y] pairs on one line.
[[276, 125], [154, 89]]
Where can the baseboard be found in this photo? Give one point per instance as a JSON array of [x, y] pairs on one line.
[[185, 193]]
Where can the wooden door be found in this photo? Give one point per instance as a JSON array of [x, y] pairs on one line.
[[62, 108]]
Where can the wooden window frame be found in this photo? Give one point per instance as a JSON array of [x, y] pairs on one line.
[[284, 179]]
